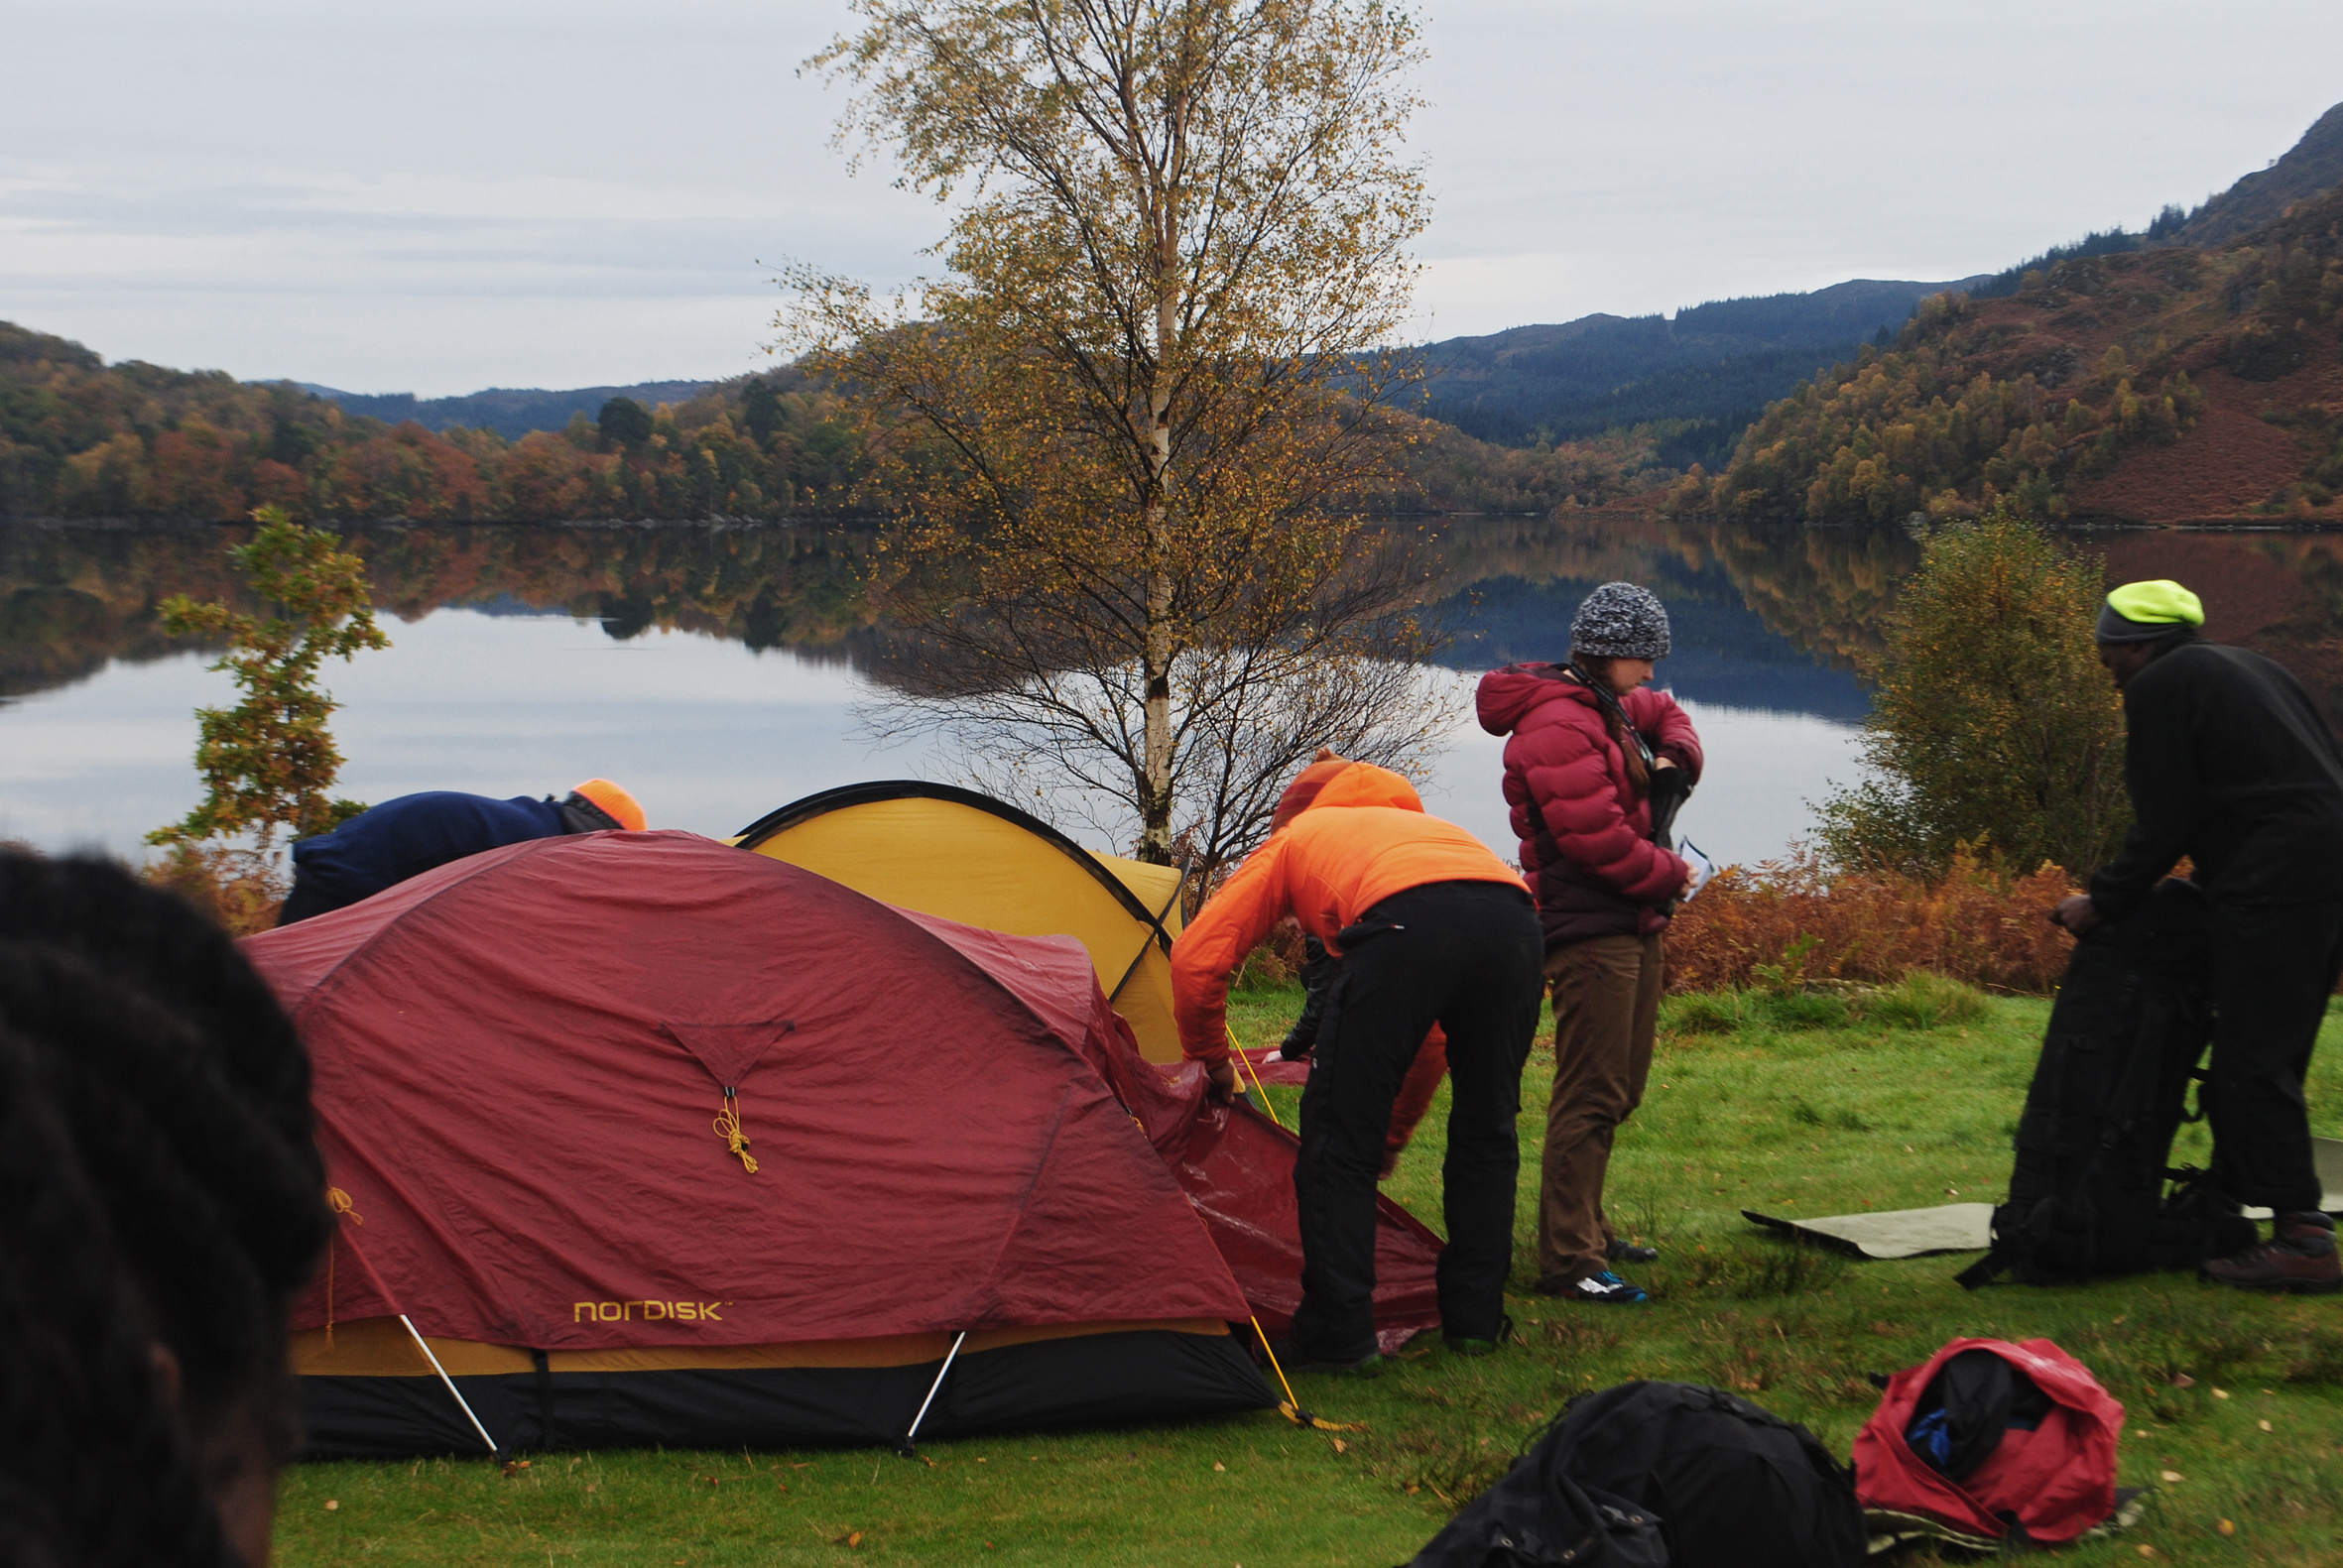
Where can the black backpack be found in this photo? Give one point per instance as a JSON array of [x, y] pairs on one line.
[[1733, 1484], [1726, 1483], [1535, 1516], [2088, 1196]]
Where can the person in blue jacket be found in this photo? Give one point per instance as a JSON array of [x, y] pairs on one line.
[[405, 837]]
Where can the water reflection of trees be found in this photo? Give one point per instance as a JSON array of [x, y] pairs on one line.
[[73, 597], [1819, 589]]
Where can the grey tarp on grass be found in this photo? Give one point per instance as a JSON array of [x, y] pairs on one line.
[[1968, 1226], [1894, 1233]]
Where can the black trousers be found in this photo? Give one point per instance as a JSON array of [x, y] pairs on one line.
[[2272, 972], [1466, 955]]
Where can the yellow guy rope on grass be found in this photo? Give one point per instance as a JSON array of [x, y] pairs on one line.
[[1256, 1084], [1292, 1408]]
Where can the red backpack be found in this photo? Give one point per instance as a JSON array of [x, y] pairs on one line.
[[2046, 1484]]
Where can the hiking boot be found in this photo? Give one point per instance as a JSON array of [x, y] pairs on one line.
[[1465, 1345], [1295, 1361], [1623, 1251], [1606, 1287], [2300, 1256]]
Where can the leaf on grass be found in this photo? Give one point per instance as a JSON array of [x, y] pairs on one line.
[[2181, 1379], [2173, 1475], [2227, 1527], [849, 1540], [331, 1504], [1217, 1465]]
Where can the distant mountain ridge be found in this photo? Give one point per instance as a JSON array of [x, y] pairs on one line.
[[1702, 376], [511, 413], [1717, 364], [2310, 167]]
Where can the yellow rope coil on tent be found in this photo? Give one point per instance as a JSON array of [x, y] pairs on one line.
[[340, 1202], [728, 1129]]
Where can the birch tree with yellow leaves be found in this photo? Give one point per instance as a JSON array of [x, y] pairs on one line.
[[1130, 422]]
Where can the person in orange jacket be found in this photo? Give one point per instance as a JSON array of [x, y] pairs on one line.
[[1431, 929]]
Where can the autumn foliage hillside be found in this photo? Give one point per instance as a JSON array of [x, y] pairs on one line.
[[79, 438], [2157, 386]]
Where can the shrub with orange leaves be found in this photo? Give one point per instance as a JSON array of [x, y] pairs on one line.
[[237, 888], [1977, 923]]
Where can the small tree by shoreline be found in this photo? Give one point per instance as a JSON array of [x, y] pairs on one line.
[[1993, 728], [269, 763]]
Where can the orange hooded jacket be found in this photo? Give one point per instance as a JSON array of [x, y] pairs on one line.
[[1363, 837]]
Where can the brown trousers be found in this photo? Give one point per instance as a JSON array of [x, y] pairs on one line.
[[1606, 1010]]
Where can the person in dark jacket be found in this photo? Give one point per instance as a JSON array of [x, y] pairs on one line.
[[2228, 763], [1587, 753], [415, 833]]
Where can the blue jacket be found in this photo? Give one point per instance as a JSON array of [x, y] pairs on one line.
[[414, 833]]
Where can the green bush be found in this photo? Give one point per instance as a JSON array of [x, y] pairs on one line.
[[1791, 1011], [1921, 1000], [1993, 723], [1702, 1012]]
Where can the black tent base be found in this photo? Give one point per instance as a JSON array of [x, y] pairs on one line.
[[1095, 1380]]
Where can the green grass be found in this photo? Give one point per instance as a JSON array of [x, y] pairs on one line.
[[1894, 1101]]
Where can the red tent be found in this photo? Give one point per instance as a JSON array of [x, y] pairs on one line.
[[525, 1067]]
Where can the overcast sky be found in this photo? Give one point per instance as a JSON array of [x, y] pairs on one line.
[[434, 199]]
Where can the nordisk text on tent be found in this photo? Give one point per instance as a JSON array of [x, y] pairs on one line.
[[652, 1311]]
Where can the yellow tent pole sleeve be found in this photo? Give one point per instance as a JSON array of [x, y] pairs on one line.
[[1239, 1046]]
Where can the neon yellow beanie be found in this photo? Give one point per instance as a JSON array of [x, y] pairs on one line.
[[2161, 602]]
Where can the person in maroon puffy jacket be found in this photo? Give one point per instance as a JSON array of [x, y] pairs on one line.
[[1585, 741]]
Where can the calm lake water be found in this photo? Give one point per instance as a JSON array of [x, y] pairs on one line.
[[716, 671]]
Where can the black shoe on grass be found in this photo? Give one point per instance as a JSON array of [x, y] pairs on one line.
[[1605, 1288], [1466, 1345], [1623, 1251]]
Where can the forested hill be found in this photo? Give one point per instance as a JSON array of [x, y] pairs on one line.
[[1716, 363], [2168, 385], [83, 439], [511, 413], [2313, 165]]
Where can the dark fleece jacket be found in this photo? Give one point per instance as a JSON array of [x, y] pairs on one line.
[[414, 833], [1586, 840], [2230, 764]]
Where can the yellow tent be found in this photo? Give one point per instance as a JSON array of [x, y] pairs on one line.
[[970, 858]]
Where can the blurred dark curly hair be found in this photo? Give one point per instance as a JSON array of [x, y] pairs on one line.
[[160, 1186]]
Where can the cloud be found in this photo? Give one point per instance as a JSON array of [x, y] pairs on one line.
[[436, 197]]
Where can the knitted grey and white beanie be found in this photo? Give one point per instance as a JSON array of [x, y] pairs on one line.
[[1620, 621]]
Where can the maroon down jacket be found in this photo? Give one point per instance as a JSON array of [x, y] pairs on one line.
[[1586, 840]]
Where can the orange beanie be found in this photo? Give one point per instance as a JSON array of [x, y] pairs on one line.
[[623, 809]]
